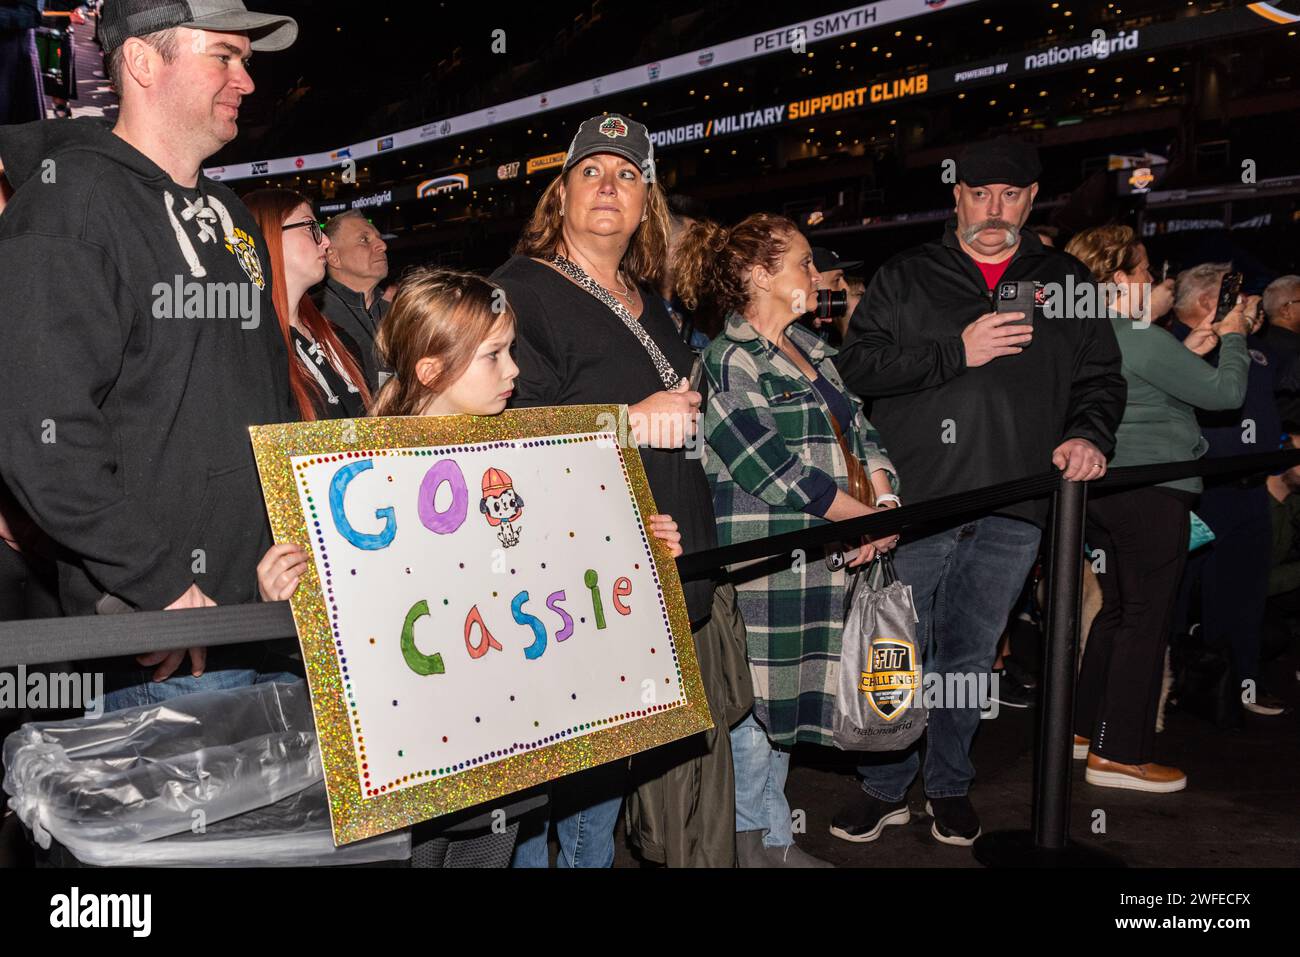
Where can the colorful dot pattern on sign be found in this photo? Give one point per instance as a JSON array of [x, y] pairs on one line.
[[374, 788]]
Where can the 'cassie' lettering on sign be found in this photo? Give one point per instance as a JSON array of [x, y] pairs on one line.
[[496, 487]]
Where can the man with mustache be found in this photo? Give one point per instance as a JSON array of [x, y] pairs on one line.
[[966, 397], [132, 384]]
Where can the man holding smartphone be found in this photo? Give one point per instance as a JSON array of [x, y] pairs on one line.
[[968, 395]]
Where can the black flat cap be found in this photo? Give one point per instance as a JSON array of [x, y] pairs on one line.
[[1003, 160]]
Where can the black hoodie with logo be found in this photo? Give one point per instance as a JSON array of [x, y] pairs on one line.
[[138, 342], [951, 429]]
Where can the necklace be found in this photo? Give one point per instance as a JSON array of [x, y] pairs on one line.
[[667, 374], [618, 277]]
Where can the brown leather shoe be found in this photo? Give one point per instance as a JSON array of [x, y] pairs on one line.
[[1080, 747], [1155, 778]]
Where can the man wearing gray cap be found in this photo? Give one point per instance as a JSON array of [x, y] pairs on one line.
[[967, 395], [131, 387]]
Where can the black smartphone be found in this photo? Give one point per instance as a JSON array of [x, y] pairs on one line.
[[1016, 297], [1229, 291], [697, 374]]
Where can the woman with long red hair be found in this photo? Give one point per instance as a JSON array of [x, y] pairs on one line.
[[324, 373]]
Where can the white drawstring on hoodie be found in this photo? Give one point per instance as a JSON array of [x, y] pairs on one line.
[[205, 211]]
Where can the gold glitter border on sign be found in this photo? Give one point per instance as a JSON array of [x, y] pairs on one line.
[[353, 816]]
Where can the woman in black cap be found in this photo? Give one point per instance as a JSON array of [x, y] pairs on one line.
[[592, 330]]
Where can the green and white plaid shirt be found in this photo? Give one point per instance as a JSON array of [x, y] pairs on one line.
[[770, 452]]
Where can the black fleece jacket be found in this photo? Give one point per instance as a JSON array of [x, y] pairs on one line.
[[948, 428], [138, 342]]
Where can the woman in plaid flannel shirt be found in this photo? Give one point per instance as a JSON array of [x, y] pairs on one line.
[[775, 465]]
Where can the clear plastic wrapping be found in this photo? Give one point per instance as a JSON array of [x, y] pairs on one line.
[[212, 779]]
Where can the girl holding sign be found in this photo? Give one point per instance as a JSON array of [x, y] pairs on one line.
[[447, 339]]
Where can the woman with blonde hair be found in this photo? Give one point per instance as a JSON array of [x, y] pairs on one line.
[[1144, 532], [593, 330]]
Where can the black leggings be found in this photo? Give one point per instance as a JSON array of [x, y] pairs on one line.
[[1143, 535]]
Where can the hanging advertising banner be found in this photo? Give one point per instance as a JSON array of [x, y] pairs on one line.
[[890, 91], [549, 161], [814, 30], [1174, 34]]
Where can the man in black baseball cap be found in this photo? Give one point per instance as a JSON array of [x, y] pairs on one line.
[[154, 362], [833, 271], [120, 19], [184, 65]]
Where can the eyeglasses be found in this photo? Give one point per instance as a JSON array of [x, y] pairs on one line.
[[317, 234]]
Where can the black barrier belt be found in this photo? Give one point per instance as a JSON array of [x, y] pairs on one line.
[[975, 502], [880, 525], [51, 640]]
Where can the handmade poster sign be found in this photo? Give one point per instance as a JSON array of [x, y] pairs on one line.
[[486, 610]]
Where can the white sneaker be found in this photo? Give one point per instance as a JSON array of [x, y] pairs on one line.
[[1268, 705]]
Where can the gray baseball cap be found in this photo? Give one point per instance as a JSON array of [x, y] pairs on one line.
[[614, 134], [120, 19]]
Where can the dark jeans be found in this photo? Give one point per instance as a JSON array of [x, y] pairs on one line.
[[1233, 573], [1143, 536], [965, 581]]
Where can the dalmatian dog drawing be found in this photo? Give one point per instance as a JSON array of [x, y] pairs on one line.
[[502, 505]]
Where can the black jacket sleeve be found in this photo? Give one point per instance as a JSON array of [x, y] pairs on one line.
[[872, 362], [1097, 389], [63, 348]]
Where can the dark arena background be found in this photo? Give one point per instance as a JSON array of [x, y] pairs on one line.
[[848, 138]]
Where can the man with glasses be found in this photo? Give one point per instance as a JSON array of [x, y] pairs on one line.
[[356, 263], [130, 389]]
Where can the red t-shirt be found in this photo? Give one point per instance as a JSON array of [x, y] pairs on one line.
[[992, 271]]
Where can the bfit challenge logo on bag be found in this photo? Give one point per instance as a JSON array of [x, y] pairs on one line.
[[613, 127], [891, 683]]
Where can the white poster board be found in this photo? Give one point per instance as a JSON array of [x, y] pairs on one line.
[[486, 611]]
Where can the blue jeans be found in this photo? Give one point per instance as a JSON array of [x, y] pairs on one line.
[[965, 581], [761, 769], [585, 833], [154, 692]]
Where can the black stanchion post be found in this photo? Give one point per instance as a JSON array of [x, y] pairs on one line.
[[1055, 746], [1049, 844]]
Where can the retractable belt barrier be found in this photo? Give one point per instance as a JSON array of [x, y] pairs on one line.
[[1046, 844], [48, 640]]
